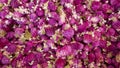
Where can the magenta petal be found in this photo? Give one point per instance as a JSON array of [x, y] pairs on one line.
[[106, 8], [3, 14], [110, 66], [96, 43], [29, 46], [83, 55], [96, 5], [91, 57], [39, 11], [55, 16], [87, 38], [1, 56], [3, 1], [79, 8], [64, 51], [33, 17], [39, 58], [76, 2], [103, 43], [14, 3], [49, 31], [68, 33], [34, 32], [43, 1], [83, 27], [99, 57], [52, 6], [60, 63], [116, 25], [118, 45], [52, 22], [114, 2], [19, 31], [11, 48], [5, 60], [3, 42], [10, 35], [30, 57], [110, 32], [77, 46], [24, 1]]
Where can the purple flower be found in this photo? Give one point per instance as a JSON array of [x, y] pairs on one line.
[[107, 8], [3, 1], [24, 1], [96, 43], [110, 32], [10, 35], [87, 38], [111, 66], [39, 58], [14, 3], [60, 63], [3, 14], [77, 2], [49, 31], [116, 25], [55, 16], [29, 45], [52, 6], [5, 60], [95, 5], [99, 57], [91, 57], [64, 51], [34, 32], [39, 11], [43, 1], [114, 2], [83, 55], [33, 17], [118, 45], [80, 8], [83, 27], [30, 57], [59, 33], [3, 42], [77, 46], [68, 33], [11, 48], [52, 22], [103, 43]]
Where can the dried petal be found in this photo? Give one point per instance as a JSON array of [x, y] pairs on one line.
[[52, 6], [49, 31], [64, 51], [52, 22], [5, 60], [68, 33], [60, 63], [11, 48], [14, 3], [87, 38]]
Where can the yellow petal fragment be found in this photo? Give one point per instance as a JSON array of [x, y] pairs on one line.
[[27, 35], [1, 5], [2, 33], [67, 66]]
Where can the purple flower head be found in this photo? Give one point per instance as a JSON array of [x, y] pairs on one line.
[[5, 60], [68, 33], [52, 6]]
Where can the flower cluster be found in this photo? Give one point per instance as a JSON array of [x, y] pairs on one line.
[[59, 33]]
